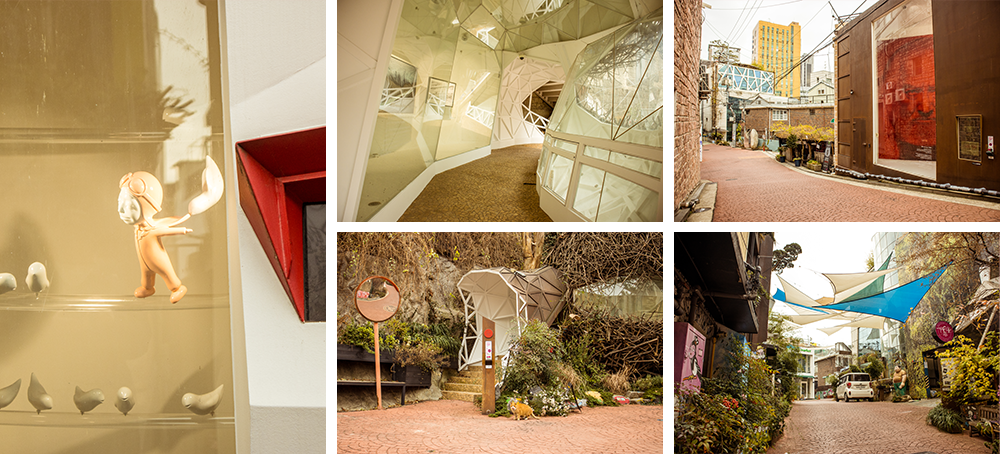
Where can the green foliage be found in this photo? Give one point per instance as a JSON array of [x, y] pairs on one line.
[[361, 335], [578, 356], [974, 369], [421, 353], [784, 257], [651, 387], [743, 381], [945, 420], [872, 364], [916, 379], [536, 355]]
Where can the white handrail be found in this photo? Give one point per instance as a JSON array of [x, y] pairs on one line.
[[480, 115]]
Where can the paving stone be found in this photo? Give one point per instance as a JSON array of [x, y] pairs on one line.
[[453, 427], [828, 427], [752, 187]]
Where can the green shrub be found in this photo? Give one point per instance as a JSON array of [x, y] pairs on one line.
[[534, 361], [945, 420]]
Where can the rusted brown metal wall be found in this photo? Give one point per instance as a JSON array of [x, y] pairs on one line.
[[967, 79]]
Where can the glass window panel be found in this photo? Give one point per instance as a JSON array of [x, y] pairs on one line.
[[557, 178], [543, 161], [482, 25], [595, 152], [651, 168], [588, 192], [623, 200], [566, 145]]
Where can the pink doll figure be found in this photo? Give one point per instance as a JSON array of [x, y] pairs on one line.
[[138, 201]]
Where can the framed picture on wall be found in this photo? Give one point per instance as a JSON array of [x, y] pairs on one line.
[[970, 137], [400, 87], [440, 98]]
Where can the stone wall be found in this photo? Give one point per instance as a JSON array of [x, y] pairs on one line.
[[687, 125]]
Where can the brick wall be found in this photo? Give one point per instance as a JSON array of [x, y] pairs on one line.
[[758, 119], [687, 124], [816, 116]]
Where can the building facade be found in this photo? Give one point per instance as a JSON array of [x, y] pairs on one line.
[[917, 99], [776, 48], [764, 116], [819, 93]]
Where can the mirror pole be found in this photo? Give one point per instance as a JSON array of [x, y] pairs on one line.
[[378, 370]]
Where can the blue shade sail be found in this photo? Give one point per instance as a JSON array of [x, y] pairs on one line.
[[779, 295], [896, 303]]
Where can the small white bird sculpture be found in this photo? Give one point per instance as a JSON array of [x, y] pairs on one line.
[[37, 280], [37, 395], [86, 401], [203, 404], [8, 394], [7, 283], [124, 400]]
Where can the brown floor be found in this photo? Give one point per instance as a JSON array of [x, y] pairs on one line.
[[491, 189]]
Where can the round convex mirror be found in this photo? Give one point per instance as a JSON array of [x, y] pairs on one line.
[[377, 298]]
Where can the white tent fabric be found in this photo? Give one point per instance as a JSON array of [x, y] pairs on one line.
[[871, 321], [794, 295], [509, 298], [809, 318], [847, 284]]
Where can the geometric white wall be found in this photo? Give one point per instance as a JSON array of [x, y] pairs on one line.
[[520, 79]]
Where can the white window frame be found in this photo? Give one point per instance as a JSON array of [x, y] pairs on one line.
[[779, 115]]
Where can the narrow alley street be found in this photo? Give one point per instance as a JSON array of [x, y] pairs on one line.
[[753, 187], [828, 427]]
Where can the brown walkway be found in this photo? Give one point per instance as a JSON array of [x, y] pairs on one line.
[[456, 427], [491, 189], [828, 427], [754, 187]]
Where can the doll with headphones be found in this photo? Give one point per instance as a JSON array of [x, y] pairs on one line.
[[139, 200]]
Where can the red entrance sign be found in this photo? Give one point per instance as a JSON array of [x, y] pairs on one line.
[[943, 332]]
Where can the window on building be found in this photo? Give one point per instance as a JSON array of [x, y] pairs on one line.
[[779, 115], [812, 111]]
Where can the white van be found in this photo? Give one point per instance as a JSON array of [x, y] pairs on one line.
[[855, 385]]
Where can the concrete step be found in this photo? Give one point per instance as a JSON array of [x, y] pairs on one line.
[[472, 388], [459, 395]]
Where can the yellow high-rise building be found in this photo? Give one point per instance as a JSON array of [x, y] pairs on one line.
[[776, 48]]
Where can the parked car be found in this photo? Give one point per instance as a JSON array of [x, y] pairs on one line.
[[855, 385]]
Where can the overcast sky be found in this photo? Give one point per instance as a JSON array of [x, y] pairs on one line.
[[823, 251], [815, 17]]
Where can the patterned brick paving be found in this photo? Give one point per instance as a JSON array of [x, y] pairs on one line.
[[754, 187], [455, 427], [828, 427]]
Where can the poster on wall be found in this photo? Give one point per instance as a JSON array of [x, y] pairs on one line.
[[970, 137], [904, 65], [689, 355]]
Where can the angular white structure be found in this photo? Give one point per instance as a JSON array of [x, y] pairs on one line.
[[510, 298]]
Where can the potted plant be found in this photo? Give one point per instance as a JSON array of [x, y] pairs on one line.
[[814, 165], [780, 156]]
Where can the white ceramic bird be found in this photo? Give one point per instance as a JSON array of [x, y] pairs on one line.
[[86, 401], [203, 404], [7, 283], [211, 188], [124, 400], [8, 394], [37, 395], [37, 280]]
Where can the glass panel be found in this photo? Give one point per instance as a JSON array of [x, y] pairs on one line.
[[484, 27], [904, 68], [651, 168], [400, 87], [596, 152], [566, 145], [624, 200], [557, 178], [588, 193], [92, 91], [477, 74], [404, 144], [542, 161], [640, 111]]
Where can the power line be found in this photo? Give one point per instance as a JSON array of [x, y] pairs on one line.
[[738, 19], [767, 6]]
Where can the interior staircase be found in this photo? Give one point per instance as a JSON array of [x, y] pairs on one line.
[[466, 385]]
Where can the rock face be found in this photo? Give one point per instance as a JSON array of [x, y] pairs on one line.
[[430, 300]]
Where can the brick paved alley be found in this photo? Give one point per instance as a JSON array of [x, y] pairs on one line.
[[754, 187], [455, 427], [828, 427]]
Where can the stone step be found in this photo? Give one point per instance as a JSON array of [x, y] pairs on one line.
[[466, 380], [472, 388], [459, 395]]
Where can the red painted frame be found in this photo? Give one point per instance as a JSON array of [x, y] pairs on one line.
[[277, 175]]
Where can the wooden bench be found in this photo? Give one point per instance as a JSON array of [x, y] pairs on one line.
[[978, 413], [401, 377]]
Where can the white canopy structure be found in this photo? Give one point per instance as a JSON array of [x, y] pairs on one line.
[[509, 298]]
